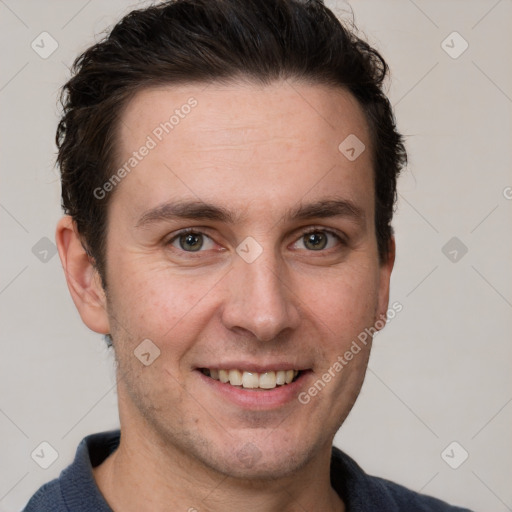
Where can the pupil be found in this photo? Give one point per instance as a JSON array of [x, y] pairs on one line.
[[316, 241], [191, 242]]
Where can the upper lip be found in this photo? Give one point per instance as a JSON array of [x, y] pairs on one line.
[[253, 367]]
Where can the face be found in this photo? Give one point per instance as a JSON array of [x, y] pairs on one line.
[[242, 245]]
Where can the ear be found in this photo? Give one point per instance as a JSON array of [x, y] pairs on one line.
[[84, 282], [386, 268]]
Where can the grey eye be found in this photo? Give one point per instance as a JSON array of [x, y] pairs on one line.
[[191, 241], [318, 240], [315, 241]]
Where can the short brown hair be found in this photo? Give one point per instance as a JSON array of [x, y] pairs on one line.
[[191, 41]]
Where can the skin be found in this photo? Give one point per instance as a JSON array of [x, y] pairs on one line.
[[259, 152]]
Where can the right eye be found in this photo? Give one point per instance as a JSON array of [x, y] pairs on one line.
[[191, 241]]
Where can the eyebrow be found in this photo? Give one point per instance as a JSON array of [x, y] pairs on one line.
[[199, 210], [185, 210], [327, 208]]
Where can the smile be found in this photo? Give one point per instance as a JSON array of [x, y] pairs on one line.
[[252, 380]]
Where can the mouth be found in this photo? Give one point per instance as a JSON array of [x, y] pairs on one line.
[[253, 380]]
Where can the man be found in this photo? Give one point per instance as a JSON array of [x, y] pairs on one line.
[[228, 174]]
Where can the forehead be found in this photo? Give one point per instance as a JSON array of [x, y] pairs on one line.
[[226, 110], [243, 141]]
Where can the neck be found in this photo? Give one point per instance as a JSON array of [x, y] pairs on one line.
[[146, 474]]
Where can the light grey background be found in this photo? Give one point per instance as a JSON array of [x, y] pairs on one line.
[[440, 371]]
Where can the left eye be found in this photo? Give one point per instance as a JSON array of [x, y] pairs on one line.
[[192, 241], [317, 240]]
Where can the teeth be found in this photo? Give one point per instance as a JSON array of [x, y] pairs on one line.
[[253, 380], [268, 380], [235, 378], [280, 377], [249, 380]]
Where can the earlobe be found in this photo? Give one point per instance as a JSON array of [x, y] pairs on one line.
[[84, 282]]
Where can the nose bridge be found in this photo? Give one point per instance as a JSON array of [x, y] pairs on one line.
[[259, 300], [265, 281]]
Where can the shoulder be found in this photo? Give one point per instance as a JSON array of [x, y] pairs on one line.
[[408, 500], [75, 490], [362, 492], [47, 498]]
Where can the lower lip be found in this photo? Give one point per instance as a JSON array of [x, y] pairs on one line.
[[258, 399]]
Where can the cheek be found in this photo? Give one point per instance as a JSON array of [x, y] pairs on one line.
[[344, 301], [151, 301]]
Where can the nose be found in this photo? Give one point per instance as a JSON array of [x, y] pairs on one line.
[[259, 299]]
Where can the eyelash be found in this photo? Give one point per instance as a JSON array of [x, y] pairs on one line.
[[341, 240], [309, 231]]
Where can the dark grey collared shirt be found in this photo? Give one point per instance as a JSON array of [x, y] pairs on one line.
[[76, 491]]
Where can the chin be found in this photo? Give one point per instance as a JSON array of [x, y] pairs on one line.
[[245, 460], [261, 469]]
